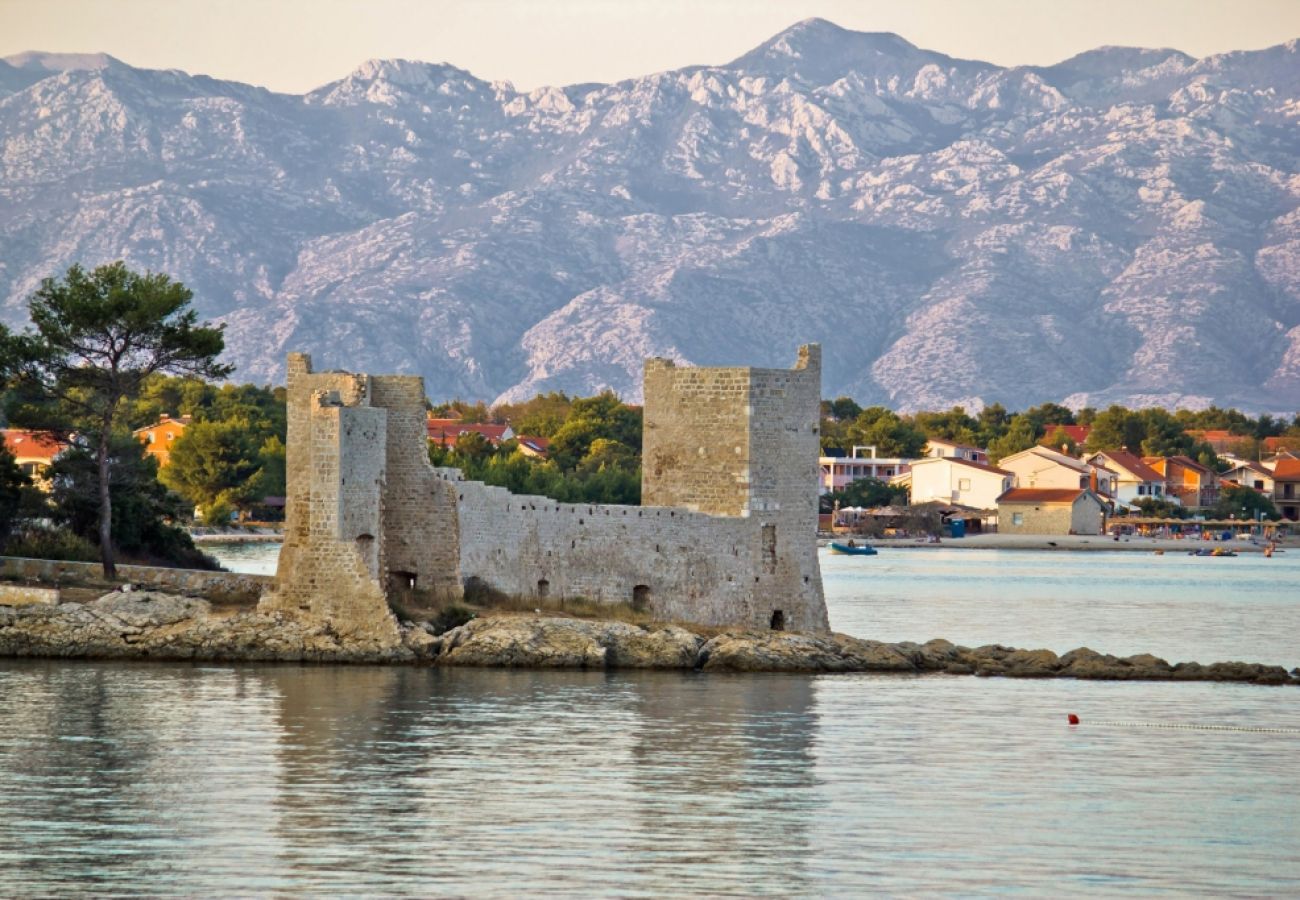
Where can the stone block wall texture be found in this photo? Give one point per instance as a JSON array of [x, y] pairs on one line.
[[727, 536], [332, 562], [1081, 517]]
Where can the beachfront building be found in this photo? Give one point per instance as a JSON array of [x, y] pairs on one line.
[[957, 481], [1043, 467], [1192, 484], [1286, 488], [941, 448], [159, 437], [838, 472], [1251, 474], [1134, 479], [1051, 511]]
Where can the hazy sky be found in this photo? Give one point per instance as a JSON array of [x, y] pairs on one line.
[[295, 45]]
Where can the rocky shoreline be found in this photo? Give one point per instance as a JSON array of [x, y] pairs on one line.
[[157, 626]]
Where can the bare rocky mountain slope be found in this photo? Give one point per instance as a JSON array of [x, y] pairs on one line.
[[1123, 226]]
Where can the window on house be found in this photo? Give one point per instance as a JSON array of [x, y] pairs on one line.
[[769, 549], [1017, 518], [963, 484], [1142, 489]]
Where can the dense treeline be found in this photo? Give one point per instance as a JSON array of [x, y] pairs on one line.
[[1147, 432], [594, 454]]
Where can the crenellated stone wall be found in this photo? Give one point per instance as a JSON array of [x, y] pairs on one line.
[[727, 536]]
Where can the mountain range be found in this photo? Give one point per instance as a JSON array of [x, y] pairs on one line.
[[1123, 226]]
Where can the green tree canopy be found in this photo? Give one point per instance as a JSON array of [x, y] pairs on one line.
[[214, 462], [1237, 502], [864, 492], [97, 337], [543, 415], [1117, 428], [1020, 435], [141, 507], [951, 425], [889, 433]]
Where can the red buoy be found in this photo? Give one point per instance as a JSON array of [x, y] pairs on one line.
[[1072, 719]]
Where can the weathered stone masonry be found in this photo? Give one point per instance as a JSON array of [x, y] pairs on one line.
[[727, 536]]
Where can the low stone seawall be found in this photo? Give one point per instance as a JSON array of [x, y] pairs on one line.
[[228, 587], [22, 595], [153, 625]]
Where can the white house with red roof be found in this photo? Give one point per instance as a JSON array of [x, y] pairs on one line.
[[946, 479], [1043, 467], [1251, 474], [1135, 480]]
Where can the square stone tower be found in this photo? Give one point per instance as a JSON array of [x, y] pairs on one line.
[[744, 442]]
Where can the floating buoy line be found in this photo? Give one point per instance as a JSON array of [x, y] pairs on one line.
[[1182, 726]]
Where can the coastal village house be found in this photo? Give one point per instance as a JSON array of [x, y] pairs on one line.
[[838, 472], [1043, 467], [1192, 484], [1135, 480], [1051, 511], [956, 481], [938, 447], [1286, 488], [33, 451], [1248, 473], [159, 437]]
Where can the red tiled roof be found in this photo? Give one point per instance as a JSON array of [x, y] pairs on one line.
[[1133, 464], [534, 442], [1078, 433], [1286, 469], [445, 431], [32, 444], [1041, 495]]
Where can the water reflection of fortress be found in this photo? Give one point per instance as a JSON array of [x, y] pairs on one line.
[[727, 535]]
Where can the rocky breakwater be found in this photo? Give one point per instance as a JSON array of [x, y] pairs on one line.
[[153, 625]]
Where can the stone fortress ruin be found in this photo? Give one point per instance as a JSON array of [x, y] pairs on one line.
[[726, 535]]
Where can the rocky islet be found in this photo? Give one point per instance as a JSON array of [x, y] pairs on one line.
[[158, 626]]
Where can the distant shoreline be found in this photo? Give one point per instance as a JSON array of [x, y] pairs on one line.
[[1073, 542], [237, 538]]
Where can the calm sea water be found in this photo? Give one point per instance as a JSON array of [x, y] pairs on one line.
[[180, 780]]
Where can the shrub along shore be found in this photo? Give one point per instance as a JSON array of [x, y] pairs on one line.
[[157, 626]]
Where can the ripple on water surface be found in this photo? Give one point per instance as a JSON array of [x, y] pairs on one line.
[[178, 780]]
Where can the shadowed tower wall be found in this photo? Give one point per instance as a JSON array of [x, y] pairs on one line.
[[333, 555]]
